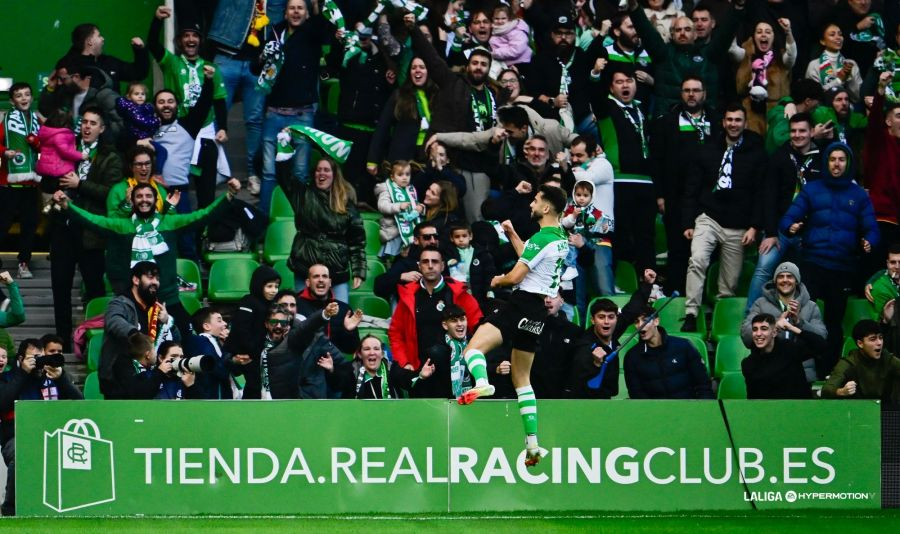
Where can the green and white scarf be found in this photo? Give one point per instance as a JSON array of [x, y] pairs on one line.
[[90, 152], [828, 69], [726, 168], [872, 34], [147, 242], [638, 124], [18, 127], [483, 113], [273, 60], [890, 62], [460, 379], [192, 87], [363, 378], [266, 390], [424, 109], [408, 218]]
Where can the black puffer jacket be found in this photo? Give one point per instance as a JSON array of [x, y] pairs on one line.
[[673, 370]]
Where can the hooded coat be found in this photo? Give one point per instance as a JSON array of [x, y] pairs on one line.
[[836, 213], [58, 152], [248, 328], [510, 42]]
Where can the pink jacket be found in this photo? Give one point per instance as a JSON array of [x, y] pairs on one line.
[[58, 152], [509, 43]]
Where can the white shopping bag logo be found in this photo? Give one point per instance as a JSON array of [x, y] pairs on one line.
[[79, 468]]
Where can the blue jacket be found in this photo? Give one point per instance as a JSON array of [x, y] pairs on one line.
[[836, 213], [673, 370]]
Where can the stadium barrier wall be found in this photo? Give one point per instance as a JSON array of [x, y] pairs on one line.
[[97, 458]]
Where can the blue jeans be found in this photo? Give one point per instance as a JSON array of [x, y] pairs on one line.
[[601, 277], [236, 74], [765, 266], [274, 123], [341, 291], [588, 126]]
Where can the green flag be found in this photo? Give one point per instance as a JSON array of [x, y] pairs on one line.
[[336, 149]]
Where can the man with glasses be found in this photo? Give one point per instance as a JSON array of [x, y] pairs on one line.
[[675, 138], [416, 322], [405, 267]]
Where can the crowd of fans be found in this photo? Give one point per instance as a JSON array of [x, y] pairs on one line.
[[757, 130]]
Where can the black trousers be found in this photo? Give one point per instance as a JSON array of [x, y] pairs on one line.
[[679, 248], [24, 202], [635, 211], [833, 287], [9, 457], [67, 251], [355, 168]]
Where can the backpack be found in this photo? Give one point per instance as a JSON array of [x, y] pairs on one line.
[[237, 230]]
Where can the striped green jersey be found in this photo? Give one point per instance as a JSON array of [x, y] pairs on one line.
[[544, 255]]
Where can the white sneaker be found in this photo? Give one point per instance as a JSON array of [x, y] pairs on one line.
[[570, 273], [24, 272], [253, 184]]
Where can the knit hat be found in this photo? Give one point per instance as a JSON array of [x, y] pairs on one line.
[[832, 93], [790, 268]]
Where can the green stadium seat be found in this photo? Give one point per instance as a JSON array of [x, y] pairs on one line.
[[380, 333], [94, 308], [618, 300], [626, 277], [190, 271], [700, 345], [370, 216], [672, 317], [727, 317], [92, 387], [729, 352], [712, 281], [280, 208], [732, 386], [190, 303], [374, 268], [849, 344], [93, 352], [371, 305], [279, 239], [287, 275], [857, 310], [229, 280], [212, 257], [373, 242], [576, 317]]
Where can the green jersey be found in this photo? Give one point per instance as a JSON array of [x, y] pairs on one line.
[[544, 255], [185, 79]]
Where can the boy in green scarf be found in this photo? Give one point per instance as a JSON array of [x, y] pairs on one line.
[[18, 178]]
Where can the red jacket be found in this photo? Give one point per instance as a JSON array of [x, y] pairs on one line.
[[882, 165], [402, 332]]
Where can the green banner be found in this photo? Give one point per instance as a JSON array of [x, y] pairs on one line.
[[95, 458]]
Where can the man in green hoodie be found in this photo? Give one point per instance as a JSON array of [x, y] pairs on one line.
[[868, 372]]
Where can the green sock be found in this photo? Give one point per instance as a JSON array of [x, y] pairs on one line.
[[477, 366], [527, 409]]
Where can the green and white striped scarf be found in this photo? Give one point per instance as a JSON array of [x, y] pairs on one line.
[[408, 218], [147, 242], [460, 379], [18, 127]]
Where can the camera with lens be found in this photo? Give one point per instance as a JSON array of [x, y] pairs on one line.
[[195, 364], [49, 360]]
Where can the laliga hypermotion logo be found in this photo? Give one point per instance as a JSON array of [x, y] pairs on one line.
[[78, 467]]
